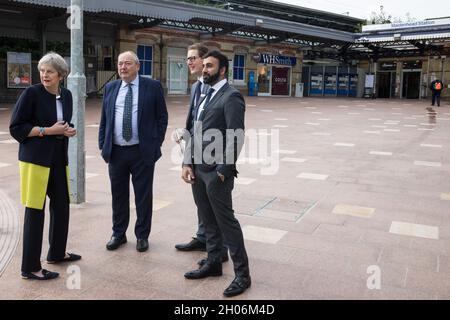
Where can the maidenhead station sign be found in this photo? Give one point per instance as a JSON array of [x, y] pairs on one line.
[[275, 59]]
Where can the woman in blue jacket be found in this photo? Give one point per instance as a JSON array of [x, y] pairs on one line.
[[40, 122]]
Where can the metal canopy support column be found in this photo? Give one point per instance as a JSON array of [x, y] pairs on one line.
[[77, 85], [42, 30]]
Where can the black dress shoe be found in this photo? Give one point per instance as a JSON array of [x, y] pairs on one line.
[[194, 245], [68, 258], [46, 275], [116, 242], [238, 286], [224, 257], [207, 270], [142, 245]]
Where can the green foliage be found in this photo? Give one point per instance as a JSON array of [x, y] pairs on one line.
[[383, 17], [380, 17]]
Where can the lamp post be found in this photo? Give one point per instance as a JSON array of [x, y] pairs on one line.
[[76, 83]]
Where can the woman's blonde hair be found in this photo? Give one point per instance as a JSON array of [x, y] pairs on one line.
[[56, 61]]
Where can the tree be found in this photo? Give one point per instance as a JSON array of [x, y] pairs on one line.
[[383, 17], [380, 17]]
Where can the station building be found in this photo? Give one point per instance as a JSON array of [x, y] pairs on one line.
[[274, 49]]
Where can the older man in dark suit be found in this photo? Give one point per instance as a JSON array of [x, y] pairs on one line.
[[132, 129], [219, 114]]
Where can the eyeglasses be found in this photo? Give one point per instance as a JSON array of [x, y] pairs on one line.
[[191, 59]]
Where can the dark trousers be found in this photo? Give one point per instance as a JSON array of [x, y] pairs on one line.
[[33, 225], [125, 161], [436, 97], [214, 202], [201, 236]]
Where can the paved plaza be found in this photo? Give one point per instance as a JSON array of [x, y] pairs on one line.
[[352, 203]]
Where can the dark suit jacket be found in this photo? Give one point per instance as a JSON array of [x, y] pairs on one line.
[[36, 107], [192, 103], [152, 119], [226, 110]]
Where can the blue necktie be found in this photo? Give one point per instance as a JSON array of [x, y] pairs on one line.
[[198, 92], [127, 131], [207, 98]]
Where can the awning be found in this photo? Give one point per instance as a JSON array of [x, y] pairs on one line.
[[370, 39], [423, 36], [156, 9], [185, 12]]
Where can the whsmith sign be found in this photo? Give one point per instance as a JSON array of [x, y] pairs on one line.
[[274, 59]]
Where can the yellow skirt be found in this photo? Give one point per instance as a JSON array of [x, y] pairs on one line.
[[33, 184]]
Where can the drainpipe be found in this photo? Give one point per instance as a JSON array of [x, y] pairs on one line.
[[43, 37], [161, 46], [428, 76]]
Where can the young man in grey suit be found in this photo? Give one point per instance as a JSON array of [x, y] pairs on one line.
[[195, 64], [219, 114], [132, 129]]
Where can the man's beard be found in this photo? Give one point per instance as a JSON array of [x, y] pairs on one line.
[[211, 80]]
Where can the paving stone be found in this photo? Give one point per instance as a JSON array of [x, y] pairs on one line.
[[319, 255], [277, 214], [396, 293], [265, 235], [351, 210], [410, 258], [431, 282], [414, 230]]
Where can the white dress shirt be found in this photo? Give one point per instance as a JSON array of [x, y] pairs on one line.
[[201, 84], [216, 88], [118, 119], [59, 110]]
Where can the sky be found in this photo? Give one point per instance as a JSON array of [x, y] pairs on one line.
[[417, 9]]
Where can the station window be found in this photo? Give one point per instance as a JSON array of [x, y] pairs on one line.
[[239, 68], [145, 55]]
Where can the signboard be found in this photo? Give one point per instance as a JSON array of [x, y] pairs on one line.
[[369, 81], [353, 86], [275, 59], [406, 25], [330, 83], [369, 86], [316, 83], [389, 66], [280, 81], [18, 70], [343, 81]]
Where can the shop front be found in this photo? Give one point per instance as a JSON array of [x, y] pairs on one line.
[[411, 74], [275, 74], [320, 80], [386, 75]]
